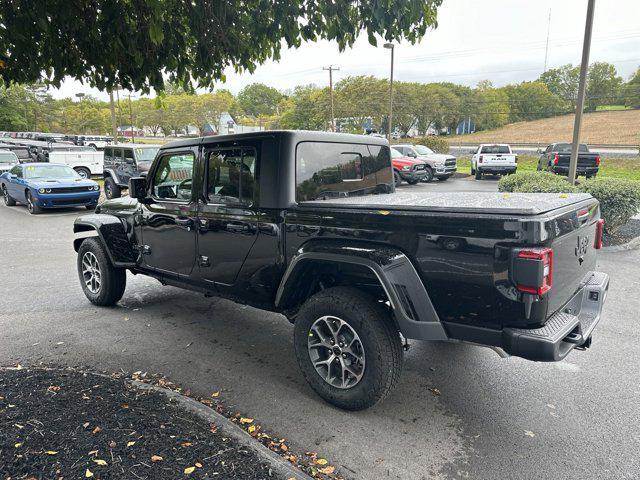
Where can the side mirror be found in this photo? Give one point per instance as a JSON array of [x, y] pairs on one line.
[[539, 151], [138, 188], [412, 155]]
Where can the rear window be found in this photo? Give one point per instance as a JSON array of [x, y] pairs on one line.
[[566, 148], [327, 170], [495, 149]]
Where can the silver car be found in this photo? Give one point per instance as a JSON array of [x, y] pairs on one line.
[[440, 165]]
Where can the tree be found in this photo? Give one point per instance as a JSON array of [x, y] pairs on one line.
[[531, 101], [563, 82], [134, 44], [303, 110], [358, 99], [492, 106], [632, 91], [258, 99], [603, 86]]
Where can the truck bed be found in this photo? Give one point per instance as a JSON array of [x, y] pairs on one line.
[[463, 202]]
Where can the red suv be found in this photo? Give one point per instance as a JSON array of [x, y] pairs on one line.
[[411, 170]]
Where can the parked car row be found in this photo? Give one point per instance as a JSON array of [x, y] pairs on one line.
[[97, 142], [418, 163]]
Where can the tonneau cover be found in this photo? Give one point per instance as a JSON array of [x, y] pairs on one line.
[[471, 202]]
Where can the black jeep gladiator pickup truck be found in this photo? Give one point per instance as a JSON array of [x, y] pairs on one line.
[[308, 224]]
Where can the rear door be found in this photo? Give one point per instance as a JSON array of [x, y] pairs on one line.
[[227, 216]]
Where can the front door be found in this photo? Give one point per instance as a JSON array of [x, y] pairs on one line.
[[169, 215], [227, 219]]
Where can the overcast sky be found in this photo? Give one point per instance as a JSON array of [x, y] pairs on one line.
[[499, 40]]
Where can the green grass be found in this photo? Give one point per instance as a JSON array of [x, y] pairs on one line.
[[611, 108], [628, 168]]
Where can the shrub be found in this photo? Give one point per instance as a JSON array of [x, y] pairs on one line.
[[619, 200], [435, 143], [537, 182]]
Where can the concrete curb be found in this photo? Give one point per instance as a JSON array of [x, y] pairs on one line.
[[632, 245], [279, 465]]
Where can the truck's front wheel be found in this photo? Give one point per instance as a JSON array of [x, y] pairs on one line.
[[102, 283], [348, 348]]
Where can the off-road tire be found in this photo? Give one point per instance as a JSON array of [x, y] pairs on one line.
[[8, 199], [429, 175], [111, 189], [473, 170], [113, 280], [412, 182], [380, 341], [478, 174]]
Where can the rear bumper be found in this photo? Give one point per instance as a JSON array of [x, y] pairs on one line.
[[498, 168], [579, 171], [567, 329], [571, 327]]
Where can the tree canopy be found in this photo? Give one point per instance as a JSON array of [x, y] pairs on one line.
[[134, 43]]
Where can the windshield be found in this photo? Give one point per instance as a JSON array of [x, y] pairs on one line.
[[8, 157], [495, 149], [58, 172], [422, 150], [146, 154], [396, 154]]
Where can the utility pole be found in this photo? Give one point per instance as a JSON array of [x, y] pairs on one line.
[[331, 69], [81, 97], [546, 50], [582, 88], [390, 122], [112, 107]]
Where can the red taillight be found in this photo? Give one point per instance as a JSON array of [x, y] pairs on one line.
[[480, 159], [598, 160], [557, 159], [544, 279], [597, 244]]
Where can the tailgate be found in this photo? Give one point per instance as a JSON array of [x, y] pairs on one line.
[[498, 159], [574, 252]]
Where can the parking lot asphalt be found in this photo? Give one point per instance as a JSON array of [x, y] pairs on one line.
[[460, 411]]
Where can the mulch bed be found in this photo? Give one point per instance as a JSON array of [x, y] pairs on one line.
[[624, 234], [61, 424]]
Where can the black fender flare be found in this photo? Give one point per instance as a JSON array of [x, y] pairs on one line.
[[111, 233], [109, 172], [413, 311]]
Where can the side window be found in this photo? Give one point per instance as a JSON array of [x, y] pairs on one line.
[[325, 170], [17, 171], [108, 154], [117, 155], [128, 156], [173, 177], [231, 175], [549, 149]]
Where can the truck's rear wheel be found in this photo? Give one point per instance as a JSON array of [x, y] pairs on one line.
[[102, 283], [478, 174], [111, 189], [396, 178], [348, 348], [83, 172]]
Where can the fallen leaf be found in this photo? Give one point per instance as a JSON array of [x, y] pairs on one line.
[[156, 458], [244, 420], [85, 424], [198, 464], [125, 405], [88, 473], [189, 344], [189, 470], [327, 470], [252, 428], [112, 444], [130, 444], [284, 448], [51, 452], [321, 461], [186, 444], [435, 391], [215, 394], [529, 433], [18, 445], [96, 430], [102, 463], [92, 452], [60, 343]]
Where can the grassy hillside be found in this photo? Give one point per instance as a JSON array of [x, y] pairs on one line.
[[609, 127]]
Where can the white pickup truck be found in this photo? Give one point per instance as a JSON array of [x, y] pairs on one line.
[[494, 159], [84, 160]]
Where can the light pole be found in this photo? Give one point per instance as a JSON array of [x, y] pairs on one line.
[[582, 88], [131, 119], [390, 122], [81, 97]]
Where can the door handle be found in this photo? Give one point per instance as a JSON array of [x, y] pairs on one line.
[[184, 222]]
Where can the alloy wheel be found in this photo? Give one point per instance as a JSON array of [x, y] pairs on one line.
[[29, 203], [5, 195], [91, 272], [336, 352]]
